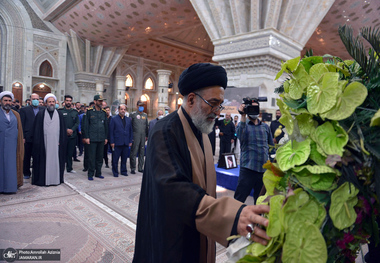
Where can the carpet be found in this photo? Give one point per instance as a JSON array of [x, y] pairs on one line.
[[82, 231], [123, 200]]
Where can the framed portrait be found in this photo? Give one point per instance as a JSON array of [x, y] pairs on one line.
[[230, 161]]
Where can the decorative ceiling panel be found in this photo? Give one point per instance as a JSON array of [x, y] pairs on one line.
[[117, 23], [356, 13], [170, 31]]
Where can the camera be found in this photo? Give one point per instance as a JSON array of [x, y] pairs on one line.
[[253, 109]]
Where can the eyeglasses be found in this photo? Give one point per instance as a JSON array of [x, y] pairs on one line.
[[213, 108]]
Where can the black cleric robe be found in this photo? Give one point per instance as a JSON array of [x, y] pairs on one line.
[[39, 153], [179, 218]]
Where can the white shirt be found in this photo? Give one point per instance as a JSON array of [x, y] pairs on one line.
[[7, 114]]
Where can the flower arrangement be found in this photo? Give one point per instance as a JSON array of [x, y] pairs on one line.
[[321, 187]]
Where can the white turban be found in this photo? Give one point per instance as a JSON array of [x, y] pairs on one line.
[[50, 95], [6, 93]]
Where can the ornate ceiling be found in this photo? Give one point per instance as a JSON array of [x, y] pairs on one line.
[[170, 31], [357, 14]]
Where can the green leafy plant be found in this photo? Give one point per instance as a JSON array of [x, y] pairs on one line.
[[321, 185]]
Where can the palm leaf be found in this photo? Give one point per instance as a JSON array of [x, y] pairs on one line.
[[354, 46], [372, 36]]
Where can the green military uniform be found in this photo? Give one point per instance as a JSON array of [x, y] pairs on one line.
[[70, 116], [95, 128], [140, 132]]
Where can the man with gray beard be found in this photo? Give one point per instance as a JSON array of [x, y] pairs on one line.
[[179, 218], [49, 145]]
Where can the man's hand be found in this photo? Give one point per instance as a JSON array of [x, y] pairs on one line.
[[251, 215], [105, 141], [69, 132], [130, 144], [243, 116], [232, 141], [221, 133], [86, 141], [112, 145]]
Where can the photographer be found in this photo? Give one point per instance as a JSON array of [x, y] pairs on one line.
[[255, 138]]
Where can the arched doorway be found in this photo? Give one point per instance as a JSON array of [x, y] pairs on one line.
[[41, 89], [17, 89]]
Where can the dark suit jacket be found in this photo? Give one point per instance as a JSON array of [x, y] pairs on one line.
[[27, 119], [120, 135]]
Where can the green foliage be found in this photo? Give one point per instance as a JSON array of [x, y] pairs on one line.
[[331, 138], [304, 243], [322, 181], [293, 153], [342, 210]]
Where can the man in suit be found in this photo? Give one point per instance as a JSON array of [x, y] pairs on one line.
[[160, 115], [121, 136], [27, 115]]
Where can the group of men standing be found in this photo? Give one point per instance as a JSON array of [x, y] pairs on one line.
[[48, 135], [36, 133]]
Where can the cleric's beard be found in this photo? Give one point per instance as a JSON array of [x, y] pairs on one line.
[[6, 107], [50, 108], [202, 121]]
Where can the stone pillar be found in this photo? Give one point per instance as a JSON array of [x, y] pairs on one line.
[[163, 82], [251, 38], [120, 88], [99, 87]]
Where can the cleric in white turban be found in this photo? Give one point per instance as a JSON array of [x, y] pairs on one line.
[[49, 145], [50, 95], [7, 93]]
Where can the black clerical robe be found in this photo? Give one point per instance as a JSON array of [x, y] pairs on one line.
[[175, 212], [39, 153]]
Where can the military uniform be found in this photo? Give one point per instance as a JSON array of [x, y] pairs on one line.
[[70, 116], [95, 128], [140, 132]]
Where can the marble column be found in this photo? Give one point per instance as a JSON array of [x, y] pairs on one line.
[[120, 89], [99, 87], [163, 82], [251, 38]]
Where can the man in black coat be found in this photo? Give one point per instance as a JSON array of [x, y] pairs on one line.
[[274, 125], [27, 115], [226, 136]]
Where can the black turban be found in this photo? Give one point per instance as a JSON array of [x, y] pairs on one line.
[[201, 75]]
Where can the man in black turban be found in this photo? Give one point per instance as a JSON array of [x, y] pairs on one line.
[[179, 217]]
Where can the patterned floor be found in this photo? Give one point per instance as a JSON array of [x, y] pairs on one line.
[[90, 221]]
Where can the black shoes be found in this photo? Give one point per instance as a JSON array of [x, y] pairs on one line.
[[141, 171], [133, 172], [107, 166], [85, 170]]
